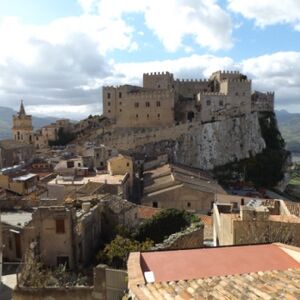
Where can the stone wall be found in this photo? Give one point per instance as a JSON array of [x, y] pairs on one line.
[[192, 237], [204, 146]]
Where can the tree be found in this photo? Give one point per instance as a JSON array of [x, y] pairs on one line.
[[163, 224], [116, 253]]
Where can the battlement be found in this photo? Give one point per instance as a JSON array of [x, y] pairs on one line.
[[193, 80], [225, 72], [157, 74]]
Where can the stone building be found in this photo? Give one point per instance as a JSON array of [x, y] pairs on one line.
[[258, 221], [172, 186], [17, 180], [163, 101], [22, 126], [14, 152]]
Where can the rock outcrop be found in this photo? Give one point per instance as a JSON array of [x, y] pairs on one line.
[[218, 143]]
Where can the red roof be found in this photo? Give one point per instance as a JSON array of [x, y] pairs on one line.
[[222, 261]]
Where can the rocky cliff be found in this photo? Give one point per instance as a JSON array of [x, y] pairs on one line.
[[218, 143]]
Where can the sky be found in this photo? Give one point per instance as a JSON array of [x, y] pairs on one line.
[[57, 54]]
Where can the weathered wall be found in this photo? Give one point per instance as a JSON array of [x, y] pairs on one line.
[[181, 197], [190, 238], [251, 232]]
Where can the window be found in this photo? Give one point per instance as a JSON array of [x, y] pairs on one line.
[[108, 111], [101, 164], [108, 103], [158, 116], [136, 104], [158, 103], [147, 104], [108, 95], [120, 103], [120, 110], [137, 116], [158, 85], [188, 204], [147, 116], [127, 164], [208, 102], [79, 164], [236, 93], [120, 94], [155, 204], [60, 226], [221, 102]]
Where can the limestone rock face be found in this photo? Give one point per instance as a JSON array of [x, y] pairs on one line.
[[218, 143]]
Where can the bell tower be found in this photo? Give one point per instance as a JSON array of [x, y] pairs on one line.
[[22, 126]]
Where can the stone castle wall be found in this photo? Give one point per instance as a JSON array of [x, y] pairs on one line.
[[262, 102], [146, 108]]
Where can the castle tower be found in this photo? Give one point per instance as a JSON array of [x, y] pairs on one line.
[[22, 126]]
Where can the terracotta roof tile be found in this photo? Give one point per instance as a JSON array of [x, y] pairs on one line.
[[260, 285]]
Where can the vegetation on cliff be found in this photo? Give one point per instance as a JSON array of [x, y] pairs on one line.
[[64, 137], [265, 169]]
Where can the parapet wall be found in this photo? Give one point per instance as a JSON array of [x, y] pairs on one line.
[[140, 137]]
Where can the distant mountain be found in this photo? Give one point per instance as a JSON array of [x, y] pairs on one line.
[[289, 125], [6, 122]]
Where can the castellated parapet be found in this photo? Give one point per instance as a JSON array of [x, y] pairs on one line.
[[164, 101]]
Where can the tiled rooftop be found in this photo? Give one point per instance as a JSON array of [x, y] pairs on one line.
[[261, 285]]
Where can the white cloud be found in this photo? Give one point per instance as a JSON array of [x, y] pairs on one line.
[[279, 72], [194, 66], [172, 20], [268, 12]]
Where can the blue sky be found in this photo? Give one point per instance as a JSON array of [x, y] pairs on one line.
[[56, 55]]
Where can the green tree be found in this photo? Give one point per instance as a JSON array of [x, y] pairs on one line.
[[117, 251], [163, 224]]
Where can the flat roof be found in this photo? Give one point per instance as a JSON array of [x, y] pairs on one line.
[[99, 178], [221, 261], [25, 177], [17, 218]]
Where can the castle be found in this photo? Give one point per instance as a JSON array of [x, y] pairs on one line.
[[164, 101]]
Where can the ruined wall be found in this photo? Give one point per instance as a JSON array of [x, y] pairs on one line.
[[190, 238]]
